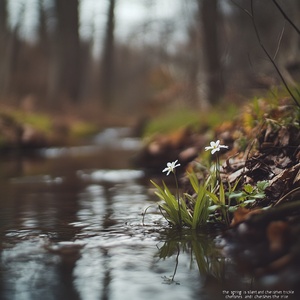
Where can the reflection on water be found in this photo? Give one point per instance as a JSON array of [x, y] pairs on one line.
[[113, 176], [100, 250], [72, 228], [202, 250]]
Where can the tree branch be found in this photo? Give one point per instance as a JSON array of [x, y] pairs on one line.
[[279, 42], [286, 17], [269, 56]]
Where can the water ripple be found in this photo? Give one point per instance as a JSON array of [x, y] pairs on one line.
[[113, 176]]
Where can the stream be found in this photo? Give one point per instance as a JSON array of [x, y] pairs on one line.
[[72, 227]]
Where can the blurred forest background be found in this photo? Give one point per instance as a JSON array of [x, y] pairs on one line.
[[86, 56]]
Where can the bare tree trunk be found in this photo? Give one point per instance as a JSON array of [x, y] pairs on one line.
[[193, 66], [107, 76], [42, 28], [210, 18], [65, 77], [4, 41]]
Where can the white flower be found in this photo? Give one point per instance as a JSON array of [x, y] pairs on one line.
[[171, 166], [215, 146]]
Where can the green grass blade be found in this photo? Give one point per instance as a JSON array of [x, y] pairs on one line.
[[200, 209], [194, 181], [222, 194], [213, 197]]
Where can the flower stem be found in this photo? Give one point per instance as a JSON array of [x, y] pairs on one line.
[[218, 177], [178, 200]]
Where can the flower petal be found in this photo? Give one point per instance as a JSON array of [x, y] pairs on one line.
[[170, 167], [215, 150], [215, 146]]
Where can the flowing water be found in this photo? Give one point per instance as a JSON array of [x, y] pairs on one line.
[[72, 227]]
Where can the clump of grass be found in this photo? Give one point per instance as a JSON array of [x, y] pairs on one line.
[[209, 202], [180, 117], [38, 121], [83, 129], [185, 211], [172, 120]]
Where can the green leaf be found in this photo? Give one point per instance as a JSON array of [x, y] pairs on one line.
[[233, 208], [248, 188], [170, 205], [213, 208], [201, 208], [249, 201], [262, 185], [236, 195], [194, 181], [259, 196], [213, 197]]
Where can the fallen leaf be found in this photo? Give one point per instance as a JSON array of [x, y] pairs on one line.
[[242, 214]]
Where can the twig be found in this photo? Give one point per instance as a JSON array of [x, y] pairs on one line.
[[144, 213], [251, 15], [269, 56], [242, 8], [286, 17], [279, 42], [286, 196]]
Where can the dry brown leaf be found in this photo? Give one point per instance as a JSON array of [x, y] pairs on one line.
[[282, 183], [283, 137], [242, 214]]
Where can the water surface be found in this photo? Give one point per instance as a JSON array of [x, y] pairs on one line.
[[72, 227]]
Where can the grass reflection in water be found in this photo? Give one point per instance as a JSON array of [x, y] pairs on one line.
[[201, 248]]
